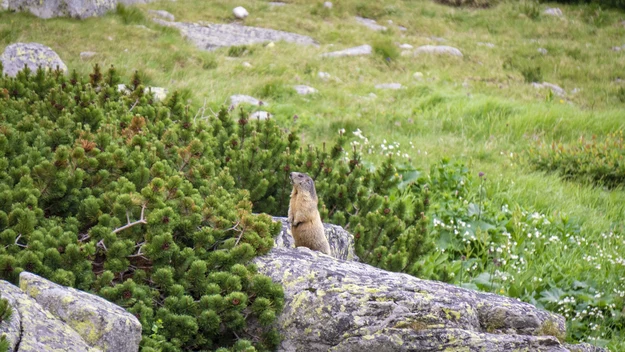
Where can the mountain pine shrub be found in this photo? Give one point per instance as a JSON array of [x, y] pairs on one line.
[[152, 207]]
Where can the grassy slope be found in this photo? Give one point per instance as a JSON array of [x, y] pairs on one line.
[[477, 108]]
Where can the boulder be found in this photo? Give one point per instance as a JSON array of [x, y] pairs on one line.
[[260, 115], [99, 322], [557, 90], [33, 55], [240, 12], [341, 242], [335, 303], [355, 51], [213, 36], [438, 50], [240, 98], [86, 55], [371, 24], [162, 14], [304, 90], [393, 86], [553, 11], [64, 8]]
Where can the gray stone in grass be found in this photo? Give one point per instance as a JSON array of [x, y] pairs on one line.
[[355, 51], [237, 99], [553, 11], [80, 9], [438, 50], [16, 56], [304, 90], [393, 86], [369, 23], [162, 14]]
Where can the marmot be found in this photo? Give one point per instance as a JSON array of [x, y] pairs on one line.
[[306, 225]]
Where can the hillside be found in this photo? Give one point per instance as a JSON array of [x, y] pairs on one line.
[[559, 242]]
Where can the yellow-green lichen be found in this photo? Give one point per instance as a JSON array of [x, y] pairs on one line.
[[550, 328]]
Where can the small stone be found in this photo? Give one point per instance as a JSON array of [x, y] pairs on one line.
[[438, 39], [143, 27], [389, 21], [276, 3], [542, 51], [240, 98], [260, 115], [110, 38], [371, 24], [417, 76], [304, 90], [393, 86], [85, 55], [324, 75], [163, 14], [557, 90], [402, 28], [438, 50], [327, 5], [4, 5], [405, 46], [488, 45], [240, 12], [246, 64], [271, 45], [160, 94], [355, 51], [553, 11], [575, 90], [372, 95]]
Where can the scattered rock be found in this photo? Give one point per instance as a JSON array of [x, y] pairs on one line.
[[388, 86], [327, 5], [260, 115], [324, 75], [240, 98], [213, 36], [163, 14], [304, 90], [405, 46], [271, 45], [144, 27], [357, 307], [4, 5], [86, 55], [618, 48], [240, 12], [557, 90], [542, 51], [160, 94], [276, 4], [246, 64], [575, 90], [372, 96], [355, 51], [438, 39], [417, 76], [33, 55], [371, 24], [488, 45], [50, 317], [402, 28], [553, 11], [438, 50], [68, 8]]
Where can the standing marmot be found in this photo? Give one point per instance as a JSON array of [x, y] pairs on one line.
[[306, 225]]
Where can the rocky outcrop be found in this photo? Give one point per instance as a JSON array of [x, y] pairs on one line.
[[64, 8], [355, 51], [33, 55], [213, 36], [438, 50], [333, 303], [50, 317]]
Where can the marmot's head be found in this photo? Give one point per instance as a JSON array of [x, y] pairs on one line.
[[304, 183]]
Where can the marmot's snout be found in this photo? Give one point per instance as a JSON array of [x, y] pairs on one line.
[[295, 176]]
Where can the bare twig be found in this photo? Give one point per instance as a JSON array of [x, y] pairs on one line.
[[131, 224], [101, 244], [200, 111], [133, 105]]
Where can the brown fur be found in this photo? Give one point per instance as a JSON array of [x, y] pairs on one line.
[[306, 225]]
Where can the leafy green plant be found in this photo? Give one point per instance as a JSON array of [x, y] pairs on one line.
[[130, 14], [599, 161], [530, 8], [239, 50]]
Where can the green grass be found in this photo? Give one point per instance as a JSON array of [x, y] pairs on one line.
[[479, 109]]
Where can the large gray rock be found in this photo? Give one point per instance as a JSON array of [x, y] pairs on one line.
[[64, 8], [355, 51], [341, 242], [33, 55], [556, 89], [35, 329], [369, 23], [4, 5], [438, 50], [304, 90], [100, 323], [338, 305], [244, 99], [213, 36]]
